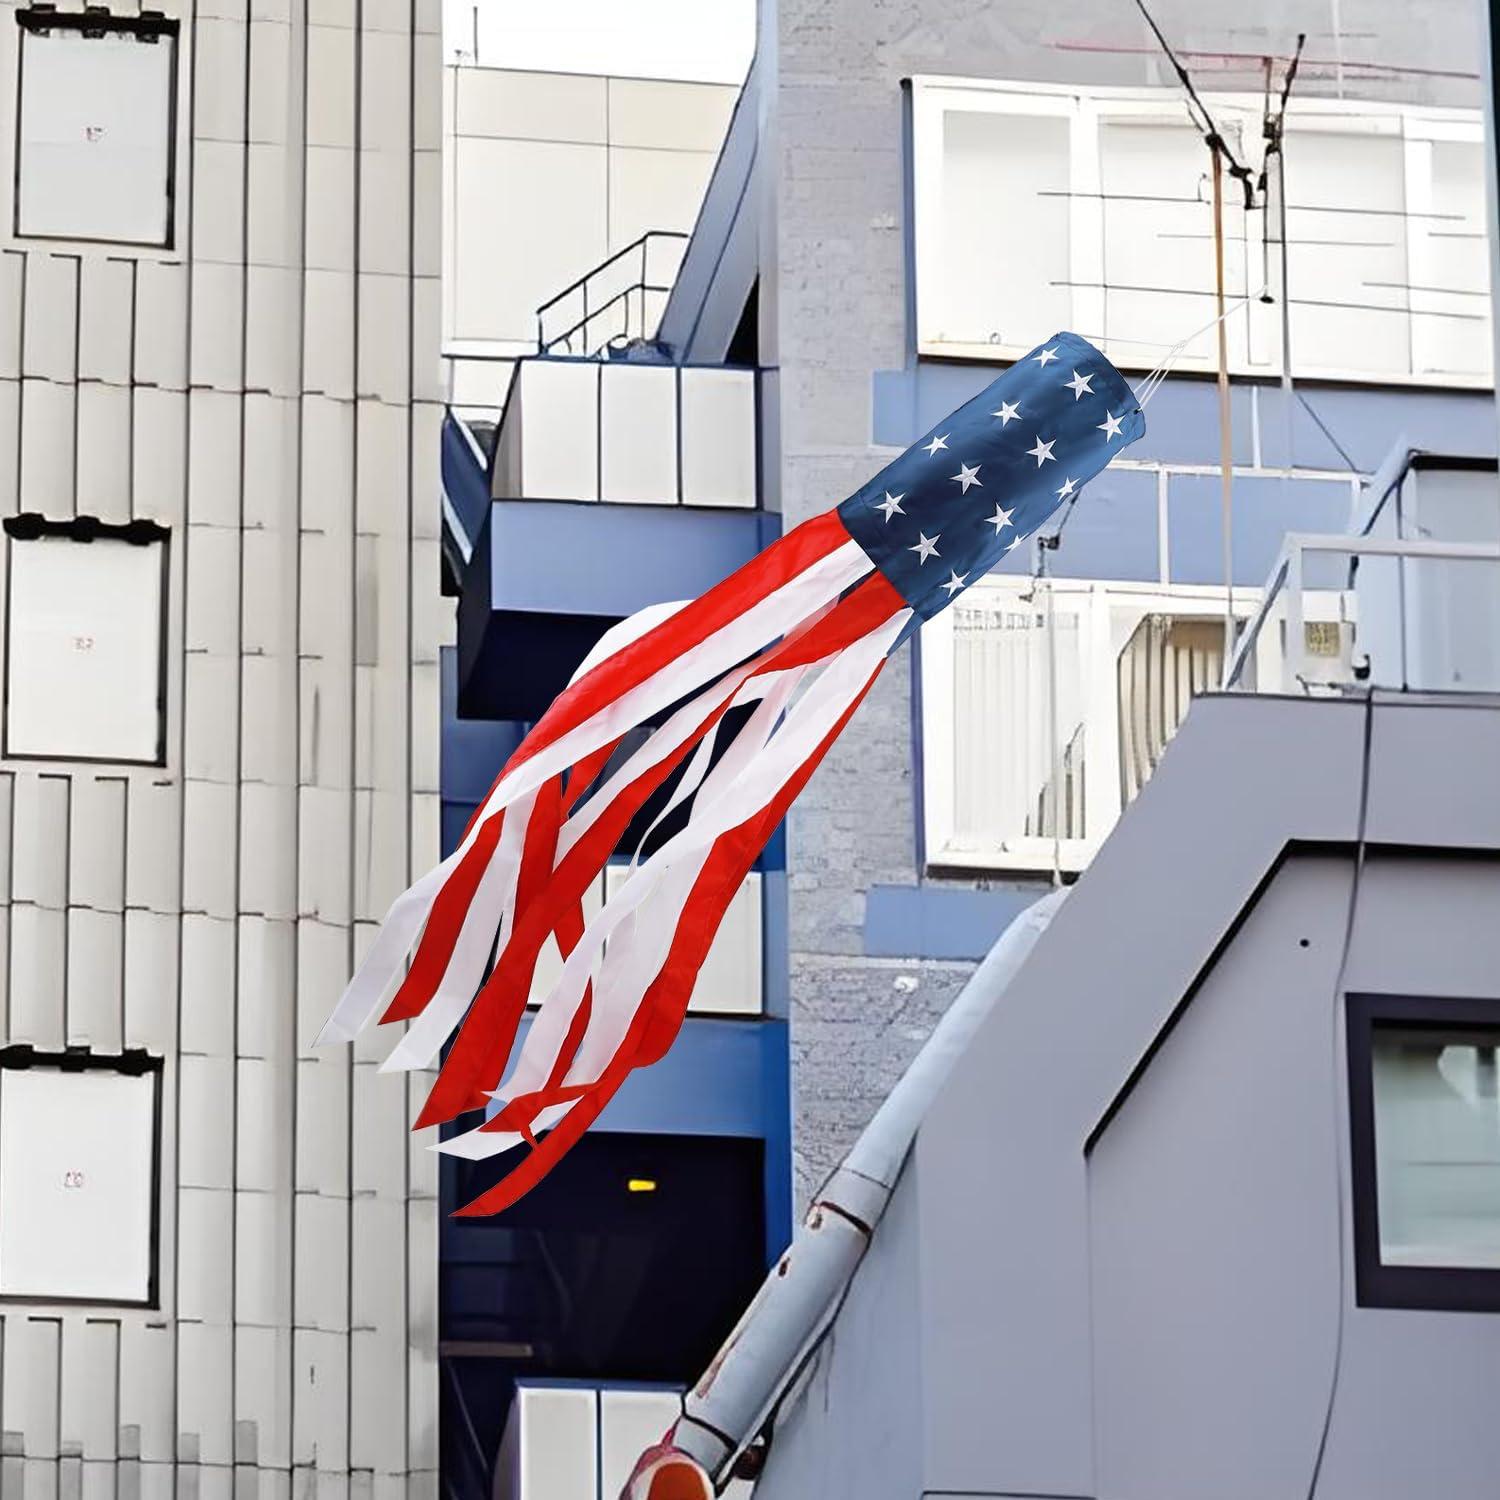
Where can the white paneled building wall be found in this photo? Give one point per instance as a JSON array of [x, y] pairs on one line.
[[220, 400]]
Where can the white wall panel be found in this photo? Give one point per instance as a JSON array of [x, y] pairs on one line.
[[718, 437], [219, 202], [106, 314], [638, 433], [668, 114], [560, 441], [51, 330], [161, 306], [328, 320], [212, 857], [547, 106], [48, 437], [104, 452], [216, 349], [95, 979], [38, 964], [12, 311]]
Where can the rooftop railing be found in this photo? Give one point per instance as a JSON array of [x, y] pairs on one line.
[[1341, 612], [621, 299]]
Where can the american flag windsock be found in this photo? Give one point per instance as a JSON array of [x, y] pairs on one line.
[[795, 638]]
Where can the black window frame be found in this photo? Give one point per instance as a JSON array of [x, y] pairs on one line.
[[31, 525], [1428, 1288], [147, 26], [133, 1062]]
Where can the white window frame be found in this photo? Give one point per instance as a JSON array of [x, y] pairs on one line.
[[933, 97], [1092, 602], [179, 147]]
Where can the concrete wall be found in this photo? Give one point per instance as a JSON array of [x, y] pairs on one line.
[[833, 318], [269, 391], [1159, 1313]]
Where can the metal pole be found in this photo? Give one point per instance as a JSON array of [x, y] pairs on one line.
[[1287, 394], [1226, 451], [1051, 624]]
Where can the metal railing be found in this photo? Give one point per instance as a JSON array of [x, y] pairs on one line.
[[1323, 616], [606, 309]]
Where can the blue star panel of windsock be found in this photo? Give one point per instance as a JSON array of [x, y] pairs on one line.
[[938, 518]]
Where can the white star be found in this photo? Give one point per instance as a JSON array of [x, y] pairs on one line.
[[1079, 385], [926, 547], [967, 476], [1000, 520], [1042, 452], [935, 444], [1016, 543], [1008, 412], [1046, 356], [955, 582], [1068, 487], [1110, 427], [891, 505]]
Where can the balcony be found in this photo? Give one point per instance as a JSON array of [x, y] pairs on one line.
[[612, 485], [1410, 599]]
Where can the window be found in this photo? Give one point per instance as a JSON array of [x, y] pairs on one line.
[[85, 621], [80, 1144], [1425, 1133], [1385, 217], [96, 127], [1127, 659]]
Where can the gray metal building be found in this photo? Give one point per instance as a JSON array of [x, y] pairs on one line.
[[220, 401]]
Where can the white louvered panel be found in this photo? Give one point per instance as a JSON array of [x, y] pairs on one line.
[[322, 1154], [90, 1395], [104, 452], [96, 842], [329, 225], [328, 321], [320, 1414], [12, 274], [51, 323], [147, 1357], [152, 866], [378, 1341], [48, 415], [213, 567], [95, 995], [381, 476], [151, 953], [384, 199], [29, 1386], [217, 327], [268, 607], [219, 202], [159, 482], [38, 956], [380, 832], [273, 309], [384, 327], [106, 310], [210, 702], [214, 458], [161, 312], [325, 836], [208, 962], [272, 439], [205, 1402], [210, 847], [381, 1124], [268, 698], [10, 439]]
